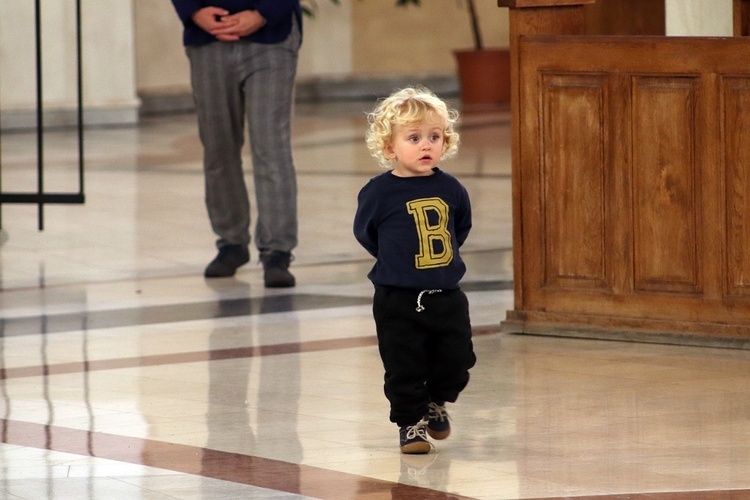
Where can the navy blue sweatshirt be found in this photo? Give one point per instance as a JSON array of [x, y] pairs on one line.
[[277, 13], [414, 227]]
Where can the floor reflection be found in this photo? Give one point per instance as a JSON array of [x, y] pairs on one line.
[[256, 417]]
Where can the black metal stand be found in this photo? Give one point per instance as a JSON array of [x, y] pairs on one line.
[[41, 197]]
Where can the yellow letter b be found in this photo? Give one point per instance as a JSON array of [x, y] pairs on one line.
[[431, 219]]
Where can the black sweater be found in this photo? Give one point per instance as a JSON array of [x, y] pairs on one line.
[[414, 227], [277, 13]]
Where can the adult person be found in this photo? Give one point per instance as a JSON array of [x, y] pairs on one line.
[[243, 62]]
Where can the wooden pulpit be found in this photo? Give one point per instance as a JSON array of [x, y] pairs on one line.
[[631, 180]]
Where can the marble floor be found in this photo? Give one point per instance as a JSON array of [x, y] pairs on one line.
[[125, 374]]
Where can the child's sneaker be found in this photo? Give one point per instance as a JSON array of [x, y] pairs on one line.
[[438, 425], [413, 440]]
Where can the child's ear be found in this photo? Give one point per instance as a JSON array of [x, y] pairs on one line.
[[389, 152]]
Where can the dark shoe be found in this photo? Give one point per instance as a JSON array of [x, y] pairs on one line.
[[226, 263], [276, 269], [438, 424], [413, 440]]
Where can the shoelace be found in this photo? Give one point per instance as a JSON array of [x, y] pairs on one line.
[[420, 307], [417, 429], [437, 412]]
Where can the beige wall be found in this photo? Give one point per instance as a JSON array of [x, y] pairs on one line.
[[413, 40], [699, 17], [161, 64], [108, 62]]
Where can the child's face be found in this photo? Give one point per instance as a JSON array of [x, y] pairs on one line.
[[416, 148]]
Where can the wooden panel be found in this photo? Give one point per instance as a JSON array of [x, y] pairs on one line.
[[664, 174], [736, 110], [573, 145], [560, 21], [626, 17], [667, 210], [663, 240]]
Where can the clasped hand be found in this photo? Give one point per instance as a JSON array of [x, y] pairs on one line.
[[228, 27]]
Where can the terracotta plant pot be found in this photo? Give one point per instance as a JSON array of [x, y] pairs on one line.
[[484, 76]]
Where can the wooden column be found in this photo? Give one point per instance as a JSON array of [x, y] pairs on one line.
[[626, 17], [741, 17], [532, 17]]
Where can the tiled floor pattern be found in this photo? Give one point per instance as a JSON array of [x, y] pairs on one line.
[[125, 374]]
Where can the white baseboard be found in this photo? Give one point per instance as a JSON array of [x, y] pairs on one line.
[[22, 120]]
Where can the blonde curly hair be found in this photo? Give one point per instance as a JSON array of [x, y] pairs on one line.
[[406, 107]]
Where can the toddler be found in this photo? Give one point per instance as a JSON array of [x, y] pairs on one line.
[[413, 218]]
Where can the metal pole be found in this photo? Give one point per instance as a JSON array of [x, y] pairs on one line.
[[39, 113], [40, 198], [79, 60]]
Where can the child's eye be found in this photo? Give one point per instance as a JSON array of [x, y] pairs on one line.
[[414, 138]]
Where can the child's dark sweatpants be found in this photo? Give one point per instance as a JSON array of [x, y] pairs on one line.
[[426, 355]]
